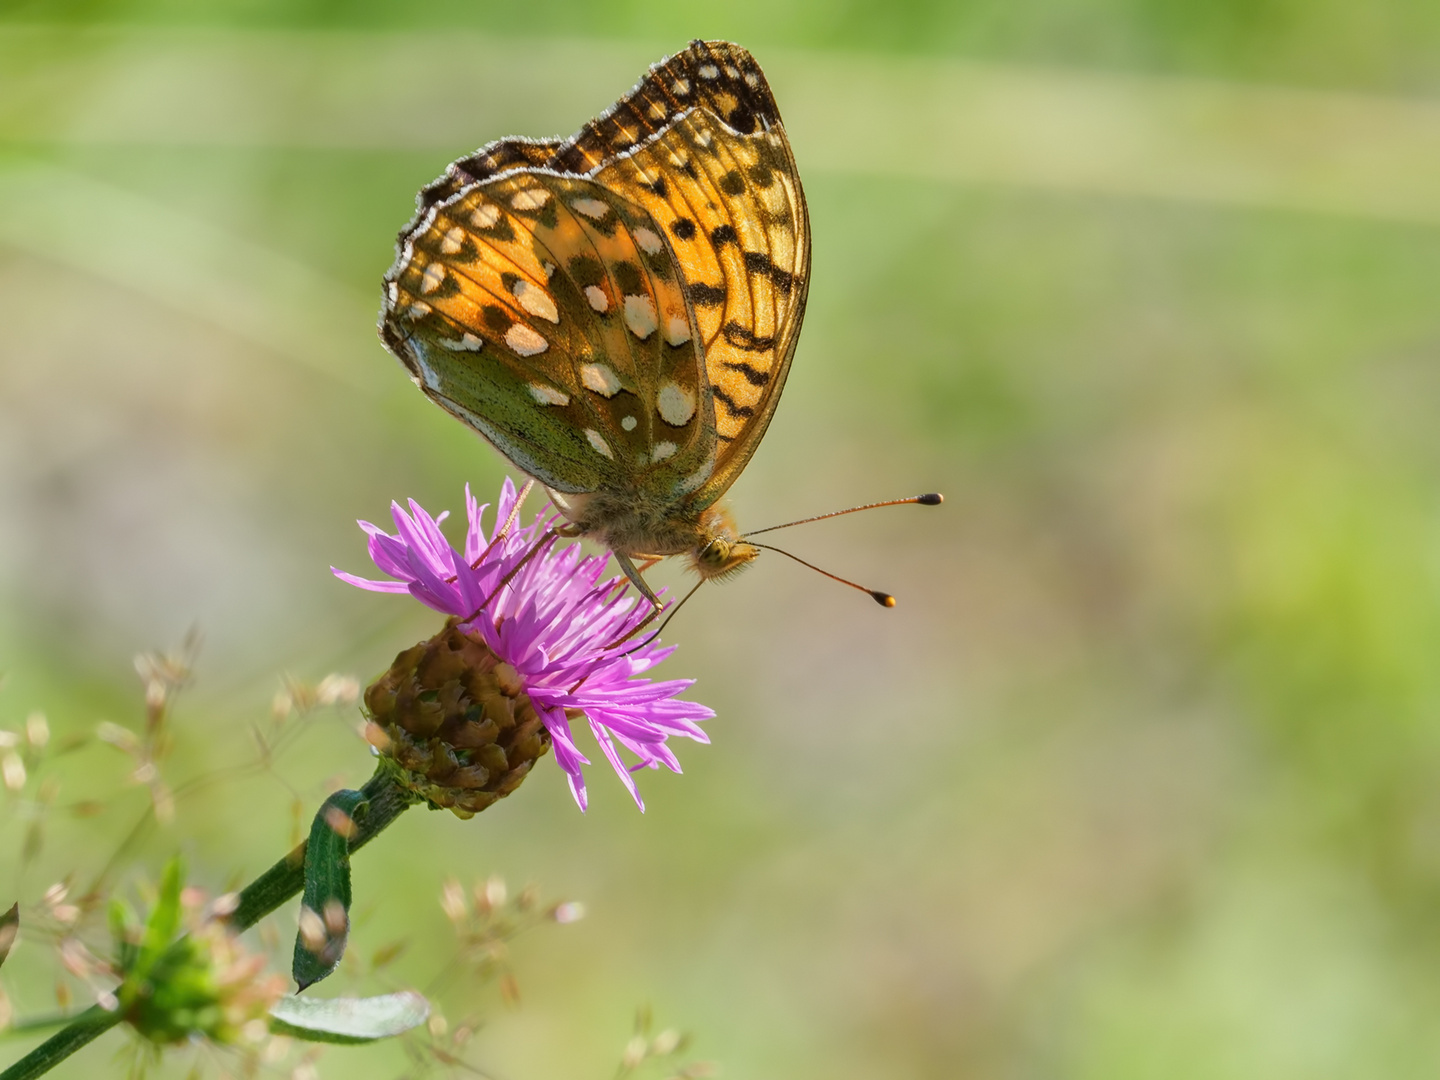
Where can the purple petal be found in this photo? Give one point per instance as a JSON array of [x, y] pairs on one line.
[[370, 586]]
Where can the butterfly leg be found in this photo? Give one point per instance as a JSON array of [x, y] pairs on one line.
[[539, 546], [502, 531], [633, 573]]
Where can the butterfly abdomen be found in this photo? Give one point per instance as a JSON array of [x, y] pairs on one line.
[[632, 523]]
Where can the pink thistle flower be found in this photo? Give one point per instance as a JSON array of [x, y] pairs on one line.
[[555, 622]]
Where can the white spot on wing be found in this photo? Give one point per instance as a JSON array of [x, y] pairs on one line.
[[600, 445], [648, 241], [419, 309], [640, 316], [452, 241], [530, 199], [600, 378], [467, 343], [680, 87], [751, 79], [657, 110], [663, 450], [536, 301], [677, 330], [699, 476], [675, 404], [524, 341], [629, 423], [485, 215], [709, 71], [432, 277], [548, 395], [732, 71], [591, 208], [598, 300]]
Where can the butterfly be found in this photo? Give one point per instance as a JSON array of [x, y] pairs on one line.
[[616, 312]]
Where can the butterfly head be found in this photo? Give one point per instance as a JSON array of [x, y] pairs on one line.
[[720, 552]]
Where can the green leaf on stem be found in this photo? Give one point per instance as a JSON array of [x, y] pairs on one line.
[[325, 905], [164, 921], [349, 1020]]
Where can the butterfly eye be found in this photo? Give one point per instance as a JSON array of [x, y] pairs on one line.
[[715, 553]]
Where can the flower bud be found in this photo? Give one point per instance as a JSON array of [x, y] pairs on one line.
[[204, 984], [456, 721]]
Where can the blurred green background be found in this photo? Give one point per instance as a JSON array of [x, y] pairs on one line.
[[1138, 780]]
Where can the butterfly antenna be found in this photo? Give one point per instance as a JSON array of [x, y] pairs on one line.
[[884, 599], [932, 499], [666, 621]]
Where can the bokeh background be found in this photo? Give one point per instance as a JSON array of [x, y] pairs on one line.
[[1139, 779]]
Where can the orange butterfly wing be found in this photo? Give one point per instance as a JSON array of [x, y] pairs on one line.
[[699, 144], [696, 159]]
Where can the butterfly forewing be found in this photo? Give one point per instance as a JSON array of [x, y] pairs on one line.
[[699, 142], [734, 216]]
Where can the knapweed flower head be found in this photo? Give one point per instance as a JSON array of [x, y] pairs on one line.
[[533, 633]]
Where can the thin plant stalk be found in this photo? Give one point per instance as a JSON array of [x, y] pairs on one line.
[[262, 896]]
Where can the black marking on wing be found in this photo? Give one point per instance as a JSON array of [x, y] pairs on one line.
[[502, 230], [757, 262], [744, 338], [703, 295], [627, 276], [724, 234], [742, 411], [448, 287], [684, 228], [753, 375], [586, 270], [732, 183]]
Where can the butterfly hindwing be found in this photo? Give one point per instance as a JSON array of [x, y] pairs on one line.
[[544, 311], [617, 311]]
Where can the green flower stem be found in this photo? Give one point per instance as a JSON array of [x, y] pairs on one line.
[[36, 1024], [287, 877], [90, 1024], [258, 899]]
